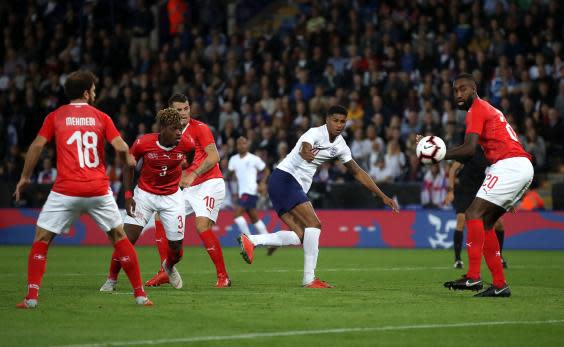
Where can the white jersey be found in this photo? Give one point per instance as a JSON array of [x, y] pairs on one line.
[[246, 168], [324, 150]]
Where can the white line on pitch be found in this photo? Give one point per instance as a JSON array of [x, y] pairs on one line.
[[250, 336]]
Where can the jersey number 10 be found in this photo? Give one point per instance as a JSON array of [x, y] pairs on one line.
[[87, 148]]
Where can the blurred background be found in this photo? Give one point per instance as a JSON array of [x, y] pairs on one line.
[[268, 70]]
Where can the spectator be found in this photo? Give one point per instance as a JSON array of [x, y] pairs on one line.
[[434, 190], [48, 174]]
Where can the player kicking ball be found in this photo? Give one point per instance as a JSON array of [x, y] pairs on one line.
[[291, 180], [507, 178], [82, 186], [157, 191]]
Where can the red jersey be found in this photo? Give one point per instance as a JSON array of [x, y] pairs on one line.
[[162, 166], [79, 130], [497, 138], [202, 136]]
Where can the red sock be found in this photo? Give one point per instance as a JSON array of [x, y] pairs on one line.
[[36, 262], [161, 240], [115, 266], [128, 259], [211, 242], [173, 257], [474, 246], [493, 258]]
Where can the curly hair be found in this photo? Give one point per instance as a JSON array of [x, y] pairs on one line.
[[169, 116]]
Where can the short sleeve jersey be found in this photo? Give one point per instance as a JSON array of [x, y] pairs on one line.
[[324, 150], [497, 138], [203, 137], [246, 169], [79, 131], [162, 166]]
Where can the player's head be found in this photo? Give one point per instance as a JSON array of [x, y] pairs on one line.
[[242, 145], [464, 86], [180, 103], [336, 119], [170, 125], [81, 85]]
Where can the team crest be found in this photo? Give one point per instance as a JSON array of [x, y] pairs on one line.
[[179, 156], [333, 151]]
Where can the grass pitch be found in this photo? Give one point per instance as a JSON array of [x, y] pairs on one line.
[[382, 297]]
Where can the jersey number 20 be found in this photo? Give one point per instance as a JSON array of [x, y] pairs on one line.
[[86, 146]]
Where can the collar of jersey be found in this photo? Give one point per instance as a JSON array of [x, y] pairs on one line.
[[78, 103], [163, 147]]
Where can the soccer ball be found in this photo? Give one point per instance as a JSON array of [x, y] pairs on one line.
[[430, 149]]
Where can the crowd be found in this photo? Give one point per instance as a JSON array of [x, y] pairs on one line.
[[390, 63]]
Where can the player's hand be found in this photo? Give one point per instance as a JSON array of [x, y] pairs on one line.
[[418, 138], [20, 187], [449, 197], [307, 155], [130, 207], [187, 180], [391, 203], [130, 161]]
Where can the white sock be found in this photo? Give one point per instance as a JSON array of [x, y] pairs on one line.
[[311, 250], [280, 238], [260, 227], [242, 224]]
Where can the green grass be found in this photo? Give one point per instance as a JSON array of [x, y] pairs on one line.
[[396, 295]]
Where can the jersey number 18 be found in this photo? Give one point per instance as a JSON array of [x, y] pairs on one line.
[[86, 146]]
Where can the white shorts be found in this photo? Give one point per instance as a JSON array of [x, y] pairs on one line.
[[60, 211], [170, 208], [506, 181], [205, 199]]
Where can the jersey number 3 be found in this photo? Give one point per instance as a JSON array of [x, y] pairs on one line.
[[87, 148]]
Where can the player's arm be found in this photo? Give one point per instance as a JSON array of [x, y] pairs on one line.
[[452, 172], [212, 158], [31, 158], [364, 178], [265, 173], [122, 150], [306, 152], [465, 150]]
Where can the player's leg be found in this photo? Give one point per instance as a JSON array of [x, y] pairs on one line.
[[160, 238], [132, 232], [240, 219], [282, 237], [161, 276], [474, 247], [36, 264], [499, 228], [56, 217], [257, 222], [171, 208], [206, 200], [458, 238], [492, 252], [105, 213], [305, 215]]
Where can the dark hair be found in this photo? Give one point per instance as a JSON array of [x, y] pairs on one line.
[[465, 76], [168, 116], [177, 97], [338, 109], [77, 83]]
